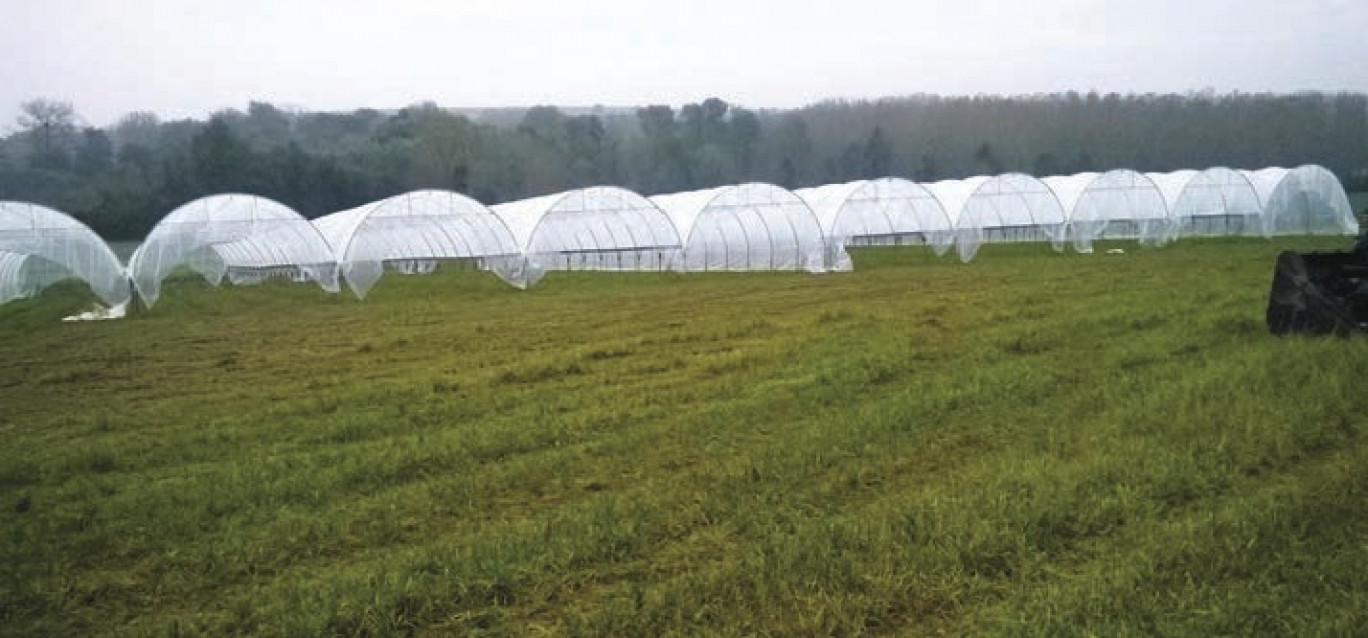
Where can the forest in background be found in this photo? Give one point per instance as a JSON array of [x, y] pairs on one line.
[[122, 179]]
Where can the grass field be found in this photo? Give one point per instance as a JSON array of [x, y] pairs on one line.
[[1030, 444]]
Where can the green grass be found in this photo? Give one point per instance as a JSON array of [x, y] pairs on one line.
[[1030, 444]]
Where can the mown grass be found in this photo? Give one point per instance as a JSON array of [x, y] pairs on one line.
[[1030, 444]]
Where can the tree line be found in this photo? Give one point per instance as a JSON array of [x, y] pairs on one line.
[[122, 179]]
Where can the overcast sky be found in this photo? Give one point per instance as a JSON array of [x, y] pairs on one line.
[[190, 58]]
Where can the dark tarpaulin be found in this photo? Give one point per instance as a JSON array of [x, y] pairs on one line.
[[1319, 293]]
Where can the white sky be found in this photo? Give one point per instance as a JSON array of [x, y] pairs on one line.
[[190, 58]]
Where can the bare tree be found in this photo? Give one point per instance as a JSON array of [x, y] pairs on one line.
[[50, 119]]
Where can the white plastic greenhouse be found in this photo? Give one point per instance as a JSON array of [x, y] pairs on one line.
[[750, 226], [1005, 208], [40, 246], [242, 237], [1307, 200], [596, 228], [411, 232], [1119, 204], [744, 227], [889, 210], [1213, 202]]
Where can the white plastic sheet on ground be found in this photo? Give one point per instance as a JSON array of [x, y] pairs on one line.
[[750, 226], [889, 210], [99, 313], [412, 232], [40, 246], [244, 236]]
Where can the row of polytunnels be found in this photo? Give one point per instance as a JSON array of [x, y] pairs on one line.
[[745, 227]]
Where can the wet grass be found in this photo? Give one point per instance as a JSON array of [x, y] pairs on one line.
[[1029, 444]]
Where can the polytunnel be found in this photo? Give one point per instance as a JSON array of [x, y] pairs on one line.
[[241, 237], [1118, 204], [40, 246], [1012, 207], [1216, 201], [889, 210], [596, 228], [1307, 200], [750, 226], [411, 232]]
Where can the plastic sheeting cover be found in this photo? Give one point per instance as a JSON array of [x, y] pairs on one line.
[[40, 246], [750, 226], [1307, 200], [883, 207], [1265, 181], [954, 193], [1116, 204], [1217, 201], [221, 232], [596, 228], [414, 230], [1069, 189], [1171, 185], [1008, 207]]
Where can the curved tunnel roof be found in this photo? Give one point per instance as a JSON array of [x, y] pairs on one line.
[[885, 206], [40, 245], [1002, 202], [218, 232], [752, 226], [422, 225]]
